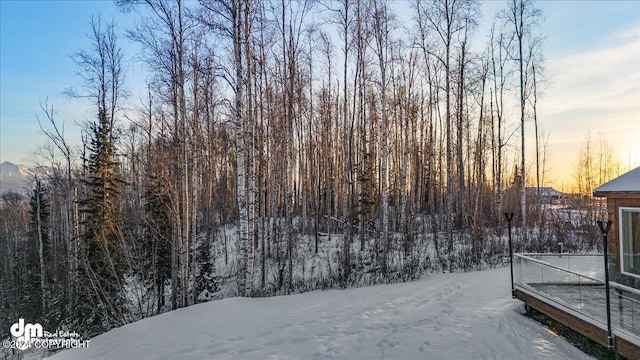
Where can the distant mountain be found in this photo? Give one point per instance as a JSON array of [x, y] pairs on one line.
[[13, 177]]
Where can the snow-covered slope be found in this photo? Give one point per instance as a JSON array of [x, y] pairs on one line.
[[448, 316], [13, 177]]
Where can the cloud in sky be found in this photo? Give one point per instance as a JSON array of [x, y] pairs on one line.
[[597, 91], [604, 78]]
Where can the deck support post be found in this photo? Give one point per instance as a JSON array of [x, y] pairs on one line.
[[509, 217], [605, 232]]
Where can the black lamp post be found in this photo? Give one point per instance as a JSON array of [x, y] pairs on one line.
[[509, 217], [605, 232]]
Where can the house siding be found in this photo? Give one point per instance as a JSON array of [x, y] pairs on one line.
[[614, 203]]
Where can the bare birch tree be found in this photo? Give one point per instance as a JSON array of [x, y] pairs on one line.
[[523, 16]]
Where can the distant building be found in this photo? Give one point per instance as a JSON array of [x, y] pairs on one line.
[[548, 195]]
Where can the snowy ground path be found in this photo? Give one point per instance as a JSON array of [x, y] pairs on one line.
[[447, 316]]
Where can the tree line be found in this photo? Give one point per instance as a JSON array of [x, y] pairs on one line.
[[271, 133]]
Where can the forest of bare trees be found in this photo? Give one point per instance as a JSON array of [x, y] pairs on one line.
[[279, 146]]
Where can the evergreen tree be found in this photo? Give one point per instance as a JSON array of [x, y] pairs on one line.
[[206, 279], [37, 251], [101, 301]]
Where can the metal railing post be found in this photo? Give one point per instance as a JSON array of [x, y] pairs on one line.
[[509, 217], [605, 232]]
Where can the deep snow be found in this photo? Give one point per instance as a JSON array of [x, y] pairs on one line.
[[445, 316]]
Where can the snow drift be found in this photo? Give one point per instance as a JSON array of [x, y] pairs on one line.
[[447, 316]]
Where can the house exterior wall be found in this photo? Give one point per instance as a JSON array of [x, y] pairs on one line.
[[614, 203]]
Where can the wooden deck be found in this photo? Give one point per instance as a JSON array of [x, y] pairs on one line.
[[583, 308]]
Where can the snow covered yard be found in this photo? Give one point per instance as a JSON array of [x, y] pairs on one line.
[[445, 316]]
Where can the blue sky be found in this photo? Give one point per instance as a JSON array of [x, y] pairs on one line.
[[593, 64], [592, 51], [37, 40]]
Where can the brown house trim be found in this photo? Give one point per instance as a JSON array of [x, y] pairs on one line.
[[617, 194]]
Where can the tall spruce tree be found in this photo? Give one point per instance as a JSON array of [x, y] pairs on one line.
[[39, 212], [101, 302]]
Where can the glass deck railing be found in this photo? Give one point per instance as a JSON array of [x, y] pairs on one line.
[[584, 264], [625, 308], [576, 282]]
